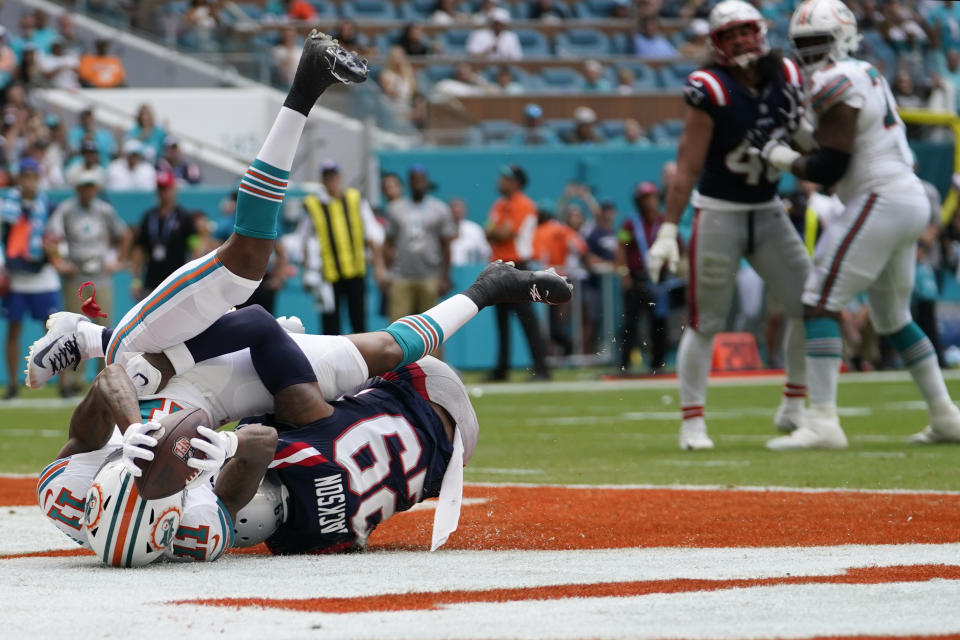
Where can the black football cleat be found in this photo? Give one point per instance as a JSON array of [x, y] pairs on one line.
[[328, 62], [501, 283]]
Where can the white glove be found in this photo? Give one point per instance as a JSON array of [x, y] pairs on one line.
[[779, 155], [218, 446], [805, 136], [664, 250], [138, 445]]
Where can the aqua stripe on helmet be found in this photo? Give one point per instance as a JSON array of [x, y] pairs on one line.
[[136, 530], [113, 519]]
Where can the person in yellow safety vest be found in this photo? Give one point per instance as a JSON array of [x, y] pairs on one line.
[[338, 227]]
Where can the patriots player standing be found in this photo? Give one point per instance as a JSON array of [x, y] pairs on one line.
[[746, 91]]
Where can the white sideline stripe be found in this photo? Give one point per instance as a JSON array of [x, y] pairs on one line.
[[136, 596]]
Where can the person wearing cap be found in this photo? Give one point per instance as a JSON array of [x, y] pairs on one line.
[[87, 129], [91, 244], [419, 231], [165, 239], [495, 41], [511, 223], [584, 127], [640, 295], [101, 69], [173, 160], [534, 132], [602, 243], [131, 171], [337, 230], [694, 47], [28, 280]]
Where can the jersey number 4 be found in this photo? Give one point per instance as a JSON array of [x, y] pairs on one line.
[[750, 165], [372, 435]]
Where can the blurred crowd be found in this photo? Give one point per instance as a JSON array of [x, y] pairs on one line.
[[39, 55]]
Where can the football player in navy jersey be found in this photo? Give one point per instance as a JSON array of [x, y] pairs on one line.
[[745, 90]]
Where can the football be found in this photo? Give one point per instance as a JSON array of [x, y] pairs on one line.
[[168, 472]]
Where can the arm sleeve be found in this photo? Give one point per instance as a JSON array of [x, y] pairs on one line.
[[830, 89]]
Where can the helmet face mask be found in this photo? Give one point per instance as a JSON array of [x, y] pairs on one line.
[[823, 32], [738, 34]]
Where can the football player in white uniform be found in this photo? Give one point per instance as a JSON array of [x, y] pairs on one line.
[[872, 247]]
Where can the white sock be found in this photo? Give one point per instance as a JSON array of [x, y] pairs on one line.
[[694, 358], [824, 373], [452, 314], [281, 143], [926, 373], [90, 340]]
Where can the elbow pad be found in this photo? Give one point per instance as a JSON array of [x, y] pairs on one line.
[[826, 166]]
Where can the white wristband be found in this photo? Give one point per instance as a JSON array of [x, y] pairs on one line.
[[232, 442], [782, 157]]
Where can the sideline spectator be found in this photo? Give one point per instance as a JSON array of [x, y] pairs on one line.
[[419, 231], [60, 67], [100, 69], [534, 132], [28, 279], [549, 11], [131, 170], [640, 295], [446, 13], [601, 248], [148, 132], [557, 245], [465, 82], [165, 240], [584, 129], [93, 239], [506, 83], [649, 42], [495, 41], [286, 56], [391, 188], [696, 43], [596, 79], [511, 223], [470, 246], [335, 265], [398, 80], [174, 162], [414, 41], [87, 129]]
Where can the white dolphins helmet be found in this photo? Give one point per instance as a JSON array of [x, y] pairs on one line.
[[123, 528], [262, 516], [727, 15], [823, 31]]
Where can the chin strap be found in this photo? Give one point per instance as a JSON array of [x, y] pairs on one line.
[[451, 495]]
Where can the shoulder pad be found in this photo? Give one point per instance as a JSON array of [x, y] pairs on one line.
[[704, 88], [791, 72]]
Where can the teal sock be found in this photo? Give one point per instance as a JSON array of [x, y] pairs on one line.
[[417, 336], [918, 356], [259, 200], [824, 354]]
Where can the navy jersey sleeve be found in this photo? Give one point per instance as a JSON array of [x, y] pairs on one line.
[[704, 90]]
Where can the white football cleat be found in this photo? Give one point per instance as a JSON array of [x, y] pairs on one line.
[[789, 415], [693, 435], [56, 350], [819, 429], [942, 428], [146, 377], [291, 324]]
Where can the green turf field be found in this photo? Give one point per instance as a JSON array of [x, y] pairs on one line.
[[629, 436]]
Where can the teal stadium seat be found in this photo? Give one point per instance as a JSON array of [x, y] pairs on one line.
[[574, 43], [561, 79], [594, 9], [417, 10], [533, 43], [455, 41], [369, 10], [529, 82], [499, 132], [326, 10], [675, 75], [645, 78]]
